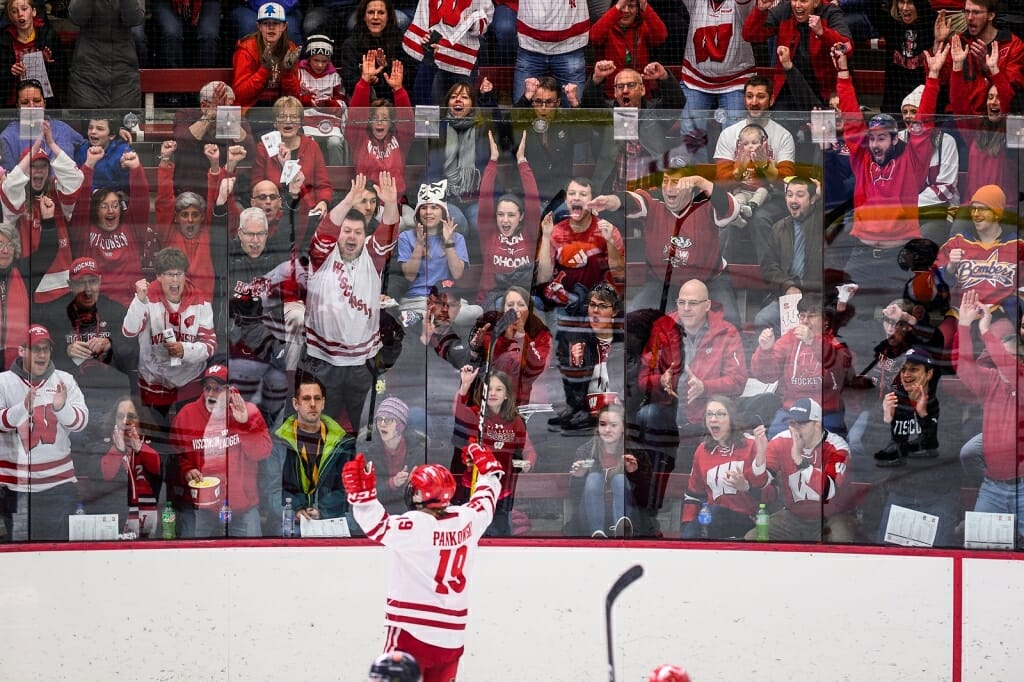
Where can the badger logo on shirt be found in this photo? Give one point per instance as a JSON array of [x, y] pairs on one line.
[[677, 251]]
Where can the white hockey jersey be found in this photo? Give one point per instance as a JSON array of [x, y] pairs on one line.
[[428, 593], [717, 60], [343, 302], [35, 446], [460, 24], [553, 27]]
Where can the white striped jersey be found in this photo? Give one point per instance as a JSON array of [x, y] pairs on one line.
[[428, 593]]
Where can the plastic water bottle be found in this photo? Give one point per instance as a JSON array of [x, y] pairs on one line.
[[79, 509], [761, 524], [704, 519], [168, 520], [287, 519], [225, 512]]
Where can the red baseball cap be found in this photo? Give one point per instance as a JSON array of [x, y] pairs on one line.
[[83, 267], [217, 372], [36, 334]]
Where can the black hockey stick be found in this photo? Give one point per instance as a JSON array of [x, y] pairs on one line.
[[624, 581], [499, 328]]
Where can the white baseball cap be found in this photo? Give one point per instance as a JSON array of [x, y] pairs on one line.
[[271, 11]]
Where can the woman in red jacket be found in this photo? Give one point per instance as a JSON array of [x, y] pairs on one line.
[[808, 29], [316, 191], [625, 35], [383, 142], [265, 61]]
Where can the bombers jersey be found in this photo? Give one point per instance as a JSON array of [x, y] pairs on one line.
[[988, 269], [717, 59], [428, 594]]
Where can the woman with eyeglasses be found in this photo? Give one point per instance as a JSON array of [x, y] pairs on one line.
[[395, 449], [604, 466], [504, 432], [383, 143], [722, 475], [111, 228], [808, 361], [588, 361], [315, 194]]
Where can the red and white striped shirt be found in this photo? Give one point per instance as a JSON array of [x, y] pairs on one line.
[[35, 446], [717, 59], [428, 593], [553, 27]]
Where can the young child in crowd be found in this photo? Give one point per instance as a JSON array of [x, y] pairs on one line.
[[320, 88], [504, 432], [752, 156]]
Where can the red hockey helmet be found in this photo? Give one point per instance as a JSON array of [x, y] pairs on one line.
[[395, 666], [434, 485], [668, 673]]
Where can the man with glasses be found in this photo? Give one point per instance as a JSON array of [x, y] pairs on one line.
[[692, 353], [979, 39], [586, 359], [621, 164], [808, 361], [218, 441], [174, 326], [551, 132], [257, 329]]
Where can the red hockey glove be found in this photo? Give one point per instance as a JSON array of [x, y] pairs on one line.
[[482, 458], [359, 480]]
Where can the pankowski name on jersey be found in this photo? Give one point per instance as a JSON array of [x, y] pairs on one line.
[[427, 591]]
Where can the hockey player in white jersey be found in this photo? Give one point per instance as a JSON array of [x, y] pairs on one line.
[[434, 545]]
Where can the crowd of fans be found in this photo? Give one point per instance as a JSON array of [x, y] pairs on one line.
[[224, 342]]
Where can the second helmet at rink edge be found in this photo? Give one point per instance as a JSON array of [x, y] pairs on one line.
[[395, 666], [668, 673]]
